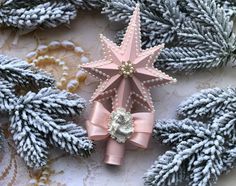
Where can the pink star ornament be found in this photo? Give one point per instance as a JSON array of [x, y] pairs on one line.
[[126, 75], [126, 72]]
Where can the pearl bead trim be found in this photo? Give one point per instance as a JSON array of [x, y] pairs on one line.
[[39, 57]]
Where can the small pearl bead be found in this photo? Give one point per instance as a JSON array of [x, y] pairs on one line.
[[64, 74], [54, 45], [68, 44], [63, 80], [31, 55], [84, 59], [61, 63], [65, 68], [42, 49], [79, 50], [72, 85]]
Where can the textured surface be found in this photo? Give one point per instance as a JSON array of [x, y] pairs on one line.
[[73, 171]]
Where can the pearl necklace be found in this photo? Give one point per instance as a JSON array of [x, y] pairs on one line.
[[39, 58]]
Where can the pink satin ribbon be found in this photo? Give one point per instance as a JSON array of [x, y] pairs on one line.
[[97, 127]]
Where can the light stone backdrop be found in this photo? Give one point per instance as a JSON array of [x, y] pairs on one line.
[[73, 171]]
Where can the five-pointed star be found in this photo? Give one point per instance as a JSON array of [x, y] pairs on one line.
[[126, 72]]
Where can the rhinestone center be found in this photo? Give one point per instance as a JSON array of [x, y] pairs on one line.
[[127, 69]]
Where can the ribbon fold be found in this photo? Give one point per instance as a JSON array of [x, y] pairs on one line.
[[97, 127]]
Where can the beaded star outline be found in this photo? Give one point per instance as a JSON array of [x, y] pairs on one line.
[[126, 72]]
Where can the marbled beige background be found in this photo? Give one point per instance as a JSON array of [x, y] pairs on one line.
[[73, 171]]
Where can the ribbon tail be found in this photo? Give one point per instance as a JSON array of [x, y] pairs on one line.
[[114, 152]]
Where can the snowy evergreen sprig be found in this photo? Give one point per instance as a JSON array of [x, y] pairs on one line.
[[39, 113], [17, 75], [29, 15], [201, 152], [7, 96], [88, 4], [21, 73], [36, 119], [187, 59], [208, 103], [25, 14], [197, 35], [159, 19], [203, 142], [229, 6], [1, 141]]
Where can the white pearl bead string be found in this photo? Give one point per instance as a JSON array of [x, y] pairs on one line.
[[39, 58], [51, 60]]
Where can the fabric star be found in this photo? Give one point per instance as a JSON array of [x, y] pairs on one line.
[[126, 72]]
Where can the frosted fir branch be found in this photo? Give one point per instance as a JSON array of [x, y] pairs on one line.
[[89, 4], [208, 103], [173, 131], [226, 124], [229, 6], [171, 168], [7, 96], [21, 3], [229, 159], [29, 15], [206, 40], [36, 120], [159, 20], [197, 30], [198, 36], [21, 73], [163, 173], [187, 60], [71, 138], [119, 10], [164, 23], [214, 140], [206, 168], [207, 13], [1, 141], [56, 102], [199, 33], [46, 14], [200, 152], [30, 145]]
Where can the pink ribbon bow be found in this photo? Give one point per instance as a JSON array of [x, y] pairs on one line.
[[97, 127]]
